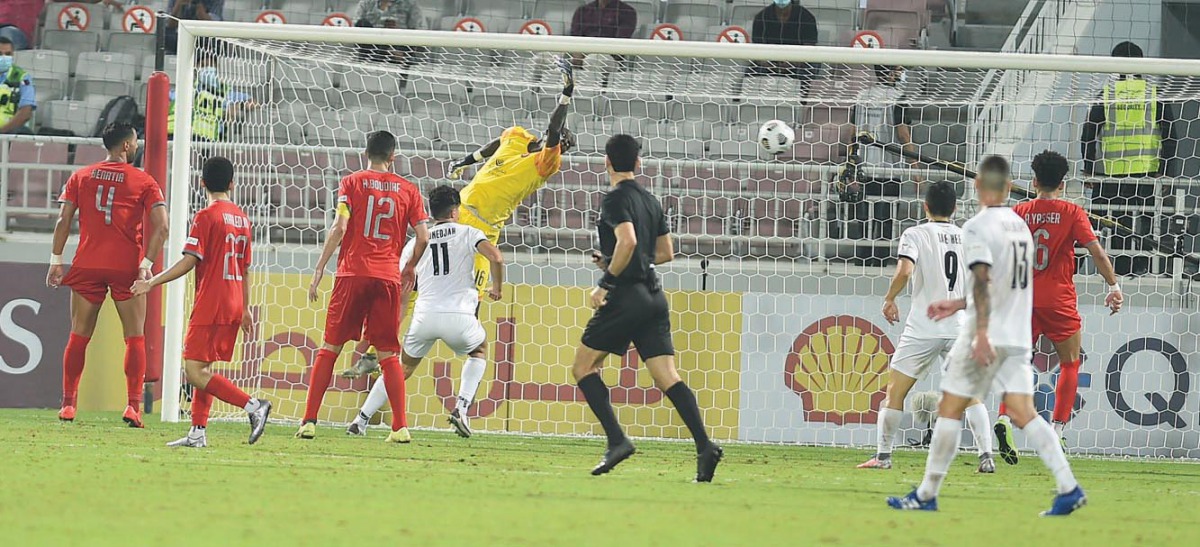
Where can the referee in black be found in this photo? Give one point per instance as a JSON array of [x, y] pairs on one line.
[[631, 307]]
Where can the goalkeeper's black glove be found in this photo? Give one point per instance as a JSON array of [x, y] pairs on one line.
[[568, 75]]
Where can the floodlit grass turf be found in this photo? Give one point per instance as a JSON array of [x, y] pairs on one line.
[[97, 482]]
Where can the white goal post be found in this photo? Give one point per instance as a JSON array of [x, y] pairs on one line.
[[772, 275]]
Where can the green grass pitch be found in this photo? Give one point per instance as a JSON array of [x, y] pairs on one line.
[[97, 482]]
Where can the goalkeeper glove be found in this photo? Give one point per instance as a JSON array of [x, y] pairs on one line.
[[456, 169], [568, 75]]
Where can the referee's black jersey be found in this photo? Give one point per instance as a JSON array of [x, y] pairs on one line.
[[629, 202]]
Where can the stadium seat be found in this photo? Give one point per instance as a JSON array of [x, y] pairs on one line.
[[443, 91], [53, 20], [494, 96], [836, 23], [243, 73], [742, 12], [818, 143], [72, 42], [49, 89], [558, 13], [899, 22], [499, 15], [169, 66], [693, 17], [138, 45], [412, 132], [464, 135], [45, 64], [78, 117], [734, 141], [104, 74]]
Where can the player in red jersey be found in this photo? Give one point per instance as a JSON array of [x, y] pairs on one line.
[[112, 197], [374, 211], [1058, 226], [218, 248]]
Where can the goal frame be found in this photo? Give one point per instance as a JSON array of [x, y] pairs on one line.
[[190, 31]]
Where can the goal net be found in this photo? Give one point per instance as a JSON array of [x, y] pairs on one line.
[[782, 261]]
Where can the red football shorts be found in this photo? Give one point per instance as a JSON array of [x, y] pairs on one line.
[[364, 306], [94, 284], [210, 343], [1058, 323]]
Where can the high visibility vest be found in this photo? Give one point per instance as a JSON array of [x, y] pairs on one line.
[[208, 111], [10, 94], [1129, 139]]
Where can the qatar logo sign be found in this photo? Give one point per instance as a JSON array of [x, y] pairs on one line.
[[1166, 406], [838, 366]]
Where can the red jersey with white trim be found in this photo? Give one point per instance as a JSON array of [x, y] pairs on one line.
[[113, 198], [1058, 226], [220, 239], [381, 207]]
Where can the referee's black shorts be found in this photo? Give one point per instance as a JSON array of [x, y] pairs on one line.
[[634, 313]]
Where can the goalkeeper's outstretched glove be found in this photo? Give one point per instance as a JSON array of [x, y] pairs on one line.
[[457, 168], [568, 75]]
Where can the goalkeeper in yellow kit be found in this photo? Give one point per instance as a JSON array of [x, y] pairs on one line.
[[517, 165]]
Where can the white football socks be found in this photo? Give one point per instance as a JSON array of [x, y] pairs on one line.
[[946, 434], [375, 400], [889, 422], [1058, 428], [252, 405], [981, 428], [1043, 439], [472, 375]]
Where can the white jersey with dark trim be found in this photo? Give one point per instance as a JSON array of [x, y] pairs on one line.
[[446, 272], [935, 248], [1000, 238]]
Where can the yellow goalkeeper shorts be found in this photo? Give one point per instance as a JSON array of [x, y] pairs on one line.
[[483, 268]]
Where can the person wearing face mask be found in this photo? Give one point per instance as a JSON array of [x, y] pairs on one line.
[[215, 105], [784, 22], [880, 111], [18, 98]]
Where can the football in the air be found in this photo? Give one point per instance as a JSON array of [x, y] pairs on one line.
[[776, 137]]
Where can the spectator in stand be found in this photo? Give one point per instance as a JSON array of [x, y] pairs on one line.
[[19, 19], [199, 10], [400, 14], [1136, 144], [17, 97], [784, 22], [604, 19], [881, 111]]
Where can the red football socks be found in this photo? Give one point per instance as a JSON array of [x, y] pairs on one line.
[[73, 360], [1003, 410], [221, 388], [1065, 390], [201, 404], [318, 382], [135, 369], [393, 382]]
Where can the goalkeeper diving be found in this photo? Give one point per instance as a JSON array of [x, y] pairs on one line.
[[515, 165]]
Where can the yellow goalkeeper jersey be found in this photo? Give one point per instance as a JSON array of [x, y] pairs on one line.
[[508, 177]]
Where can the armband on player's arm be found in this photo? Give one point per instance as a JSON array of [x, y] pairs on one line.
[[343, 210]]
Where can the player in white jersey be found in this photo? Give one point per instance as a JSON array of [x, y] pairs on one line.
[[447, 302], [993, 348], [930, 257]]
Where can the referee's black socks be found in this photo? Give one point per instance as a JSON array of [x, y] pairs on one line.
[[685, 404], [596, 393]]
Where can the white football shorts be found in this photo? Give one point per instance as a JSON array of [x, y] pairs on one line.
[[1011, 372], [913, 356], [462, 333]]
